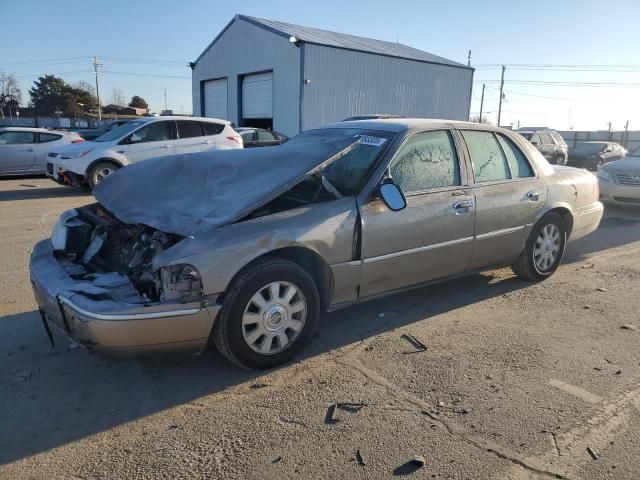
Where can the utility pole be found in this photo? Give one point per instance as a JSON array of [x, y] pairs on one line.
[[165, 99], [626, 134], [481, 103], [501, 94], [96, 70], [469, 59]]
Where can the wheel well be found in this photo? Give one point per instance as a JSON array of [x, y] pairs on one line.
[[566, 215], [101, 160], [310, 261]]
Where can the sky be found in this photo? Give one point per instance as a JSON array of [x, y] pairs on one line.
[[589, 49]]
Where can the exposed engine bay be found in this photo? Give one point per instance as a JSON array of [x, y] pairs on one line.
[[95, 242]]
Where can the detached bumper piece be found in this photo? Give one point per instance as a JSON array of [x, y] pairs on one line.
[[104, 312]]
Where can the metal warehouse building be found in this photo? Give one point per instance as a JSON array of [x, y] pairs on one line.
[[265, 73]]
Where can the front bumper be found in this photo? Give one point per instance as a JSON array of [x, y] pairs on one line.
[[614, 193], [115, 323]]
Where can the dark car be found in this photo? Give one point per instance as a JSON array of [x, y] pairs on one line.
[[373, 116], [549, 143], [260, 137], [593, 155], [93, 133]]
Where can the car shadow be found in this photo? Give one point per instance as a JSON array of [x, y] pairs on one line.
[[55, 396], [33, 190]]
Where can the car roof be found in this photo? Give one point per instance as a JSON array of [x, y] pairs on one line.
[[31, 129], [403, 124]]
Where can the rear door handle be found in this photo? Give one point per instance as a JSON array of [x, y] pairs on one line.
[[534, 195], [166, 146], [206, 142], [31, 149]]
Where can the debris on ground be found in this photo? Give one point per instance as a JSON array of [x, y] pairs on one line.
[[277, 459], [628, 327], [587, 307], [618, 372], [415, 343], [258, 385], [601, 289], [27, 185], [360, 458], [332, 413], [386, 314], [441, 404], [351, 407], [591, 453], [418, 461]]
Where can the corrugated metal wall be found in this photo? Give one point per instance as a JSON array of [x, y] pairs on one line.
[[343, 83], [244, 48]]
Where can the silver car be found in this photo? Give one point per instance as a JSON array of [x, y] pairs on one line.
[[245, 248], [24, 150], [620, 180]]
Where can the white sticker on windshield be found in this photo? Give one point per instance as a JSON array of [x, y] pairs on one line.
[[371, 140]]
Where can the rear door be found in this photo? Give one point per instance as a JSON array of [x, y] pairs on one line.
[[508, 194], [156, 139], [17, 151], [46, 143], [433, 236], [191, 137], [547, 147], [213, 137]]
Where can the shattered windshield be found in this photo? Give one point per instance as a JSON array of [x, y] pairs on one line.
[[348, 173]]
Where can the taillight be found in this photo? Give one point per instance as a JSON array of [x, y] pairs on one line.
[[79, 140], [235, 138]]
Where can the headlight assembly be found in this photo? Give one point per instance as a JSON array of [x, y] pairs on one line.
[[180, 282], [78, 154], [604, 175]]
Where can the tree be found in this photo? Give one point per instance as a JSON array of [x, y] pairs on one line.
[[138, 102], [10, 94], [117, 97], [51, 94]]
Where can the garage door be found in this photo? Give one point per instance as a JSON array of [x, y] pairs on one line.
[[215, 99], [257, 95]]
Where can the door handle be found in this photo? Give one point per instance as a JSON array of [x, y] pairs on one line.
[[534, 195], [206, 142], [31, 149], [463, 206], [166, 146]]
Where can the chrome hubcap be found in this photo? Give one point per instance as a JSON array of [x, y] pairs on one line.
[[102, 174], [274, 317], [547, 247]]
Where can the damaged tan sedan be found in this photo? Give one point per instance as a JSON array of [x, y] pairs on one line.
[[245, 248]]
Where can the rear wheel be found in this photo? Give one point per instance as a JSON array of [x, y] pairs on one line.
[[99, 172], [544, 249], [268, 314]]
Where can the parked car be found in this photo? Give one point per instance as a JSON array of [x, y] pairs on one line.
[[135, 141], [260, 137], [593, 155], [24, 150], [620, 180], [93, 133], [373, 116], [549, 143], [217, 247]]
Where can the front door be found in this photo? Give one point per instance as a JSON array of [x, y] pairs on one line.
[[508, 197], [156, 139], [18, 150], [433, 236]]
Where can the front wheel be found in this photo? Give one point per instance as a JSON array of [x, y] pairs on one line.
[[268, 314], [99, 172], [544, 249]]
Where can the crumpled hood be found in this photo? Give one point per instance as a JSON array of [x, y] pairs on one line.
[[194, 193]]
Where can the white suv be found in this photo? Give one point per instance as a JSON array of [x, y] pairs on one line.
[[137, 140]]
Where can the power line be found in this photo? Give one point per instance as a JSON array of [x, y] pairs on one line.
[[565, 84], [136, 74]]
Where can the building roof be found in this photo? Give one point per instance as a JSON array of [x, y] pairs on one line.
[[340, 40]]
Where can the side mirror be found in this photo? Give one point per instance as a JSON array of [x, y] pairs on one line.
[[392, 196], [135, 138], [535, 144]]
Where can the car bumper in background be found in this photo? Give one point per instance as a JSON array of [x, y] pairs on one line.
[[111, 328], [613, 193]]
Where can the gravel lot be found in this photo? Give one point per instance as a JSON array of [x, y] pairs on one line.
[[518, 380]]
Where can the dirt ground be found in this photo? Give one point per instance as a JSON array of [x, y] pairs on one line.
[[518, 380]]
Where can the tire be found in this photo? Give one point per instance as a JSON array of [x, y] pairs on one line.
[[99, 171], [257, 343], [542, 253]]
